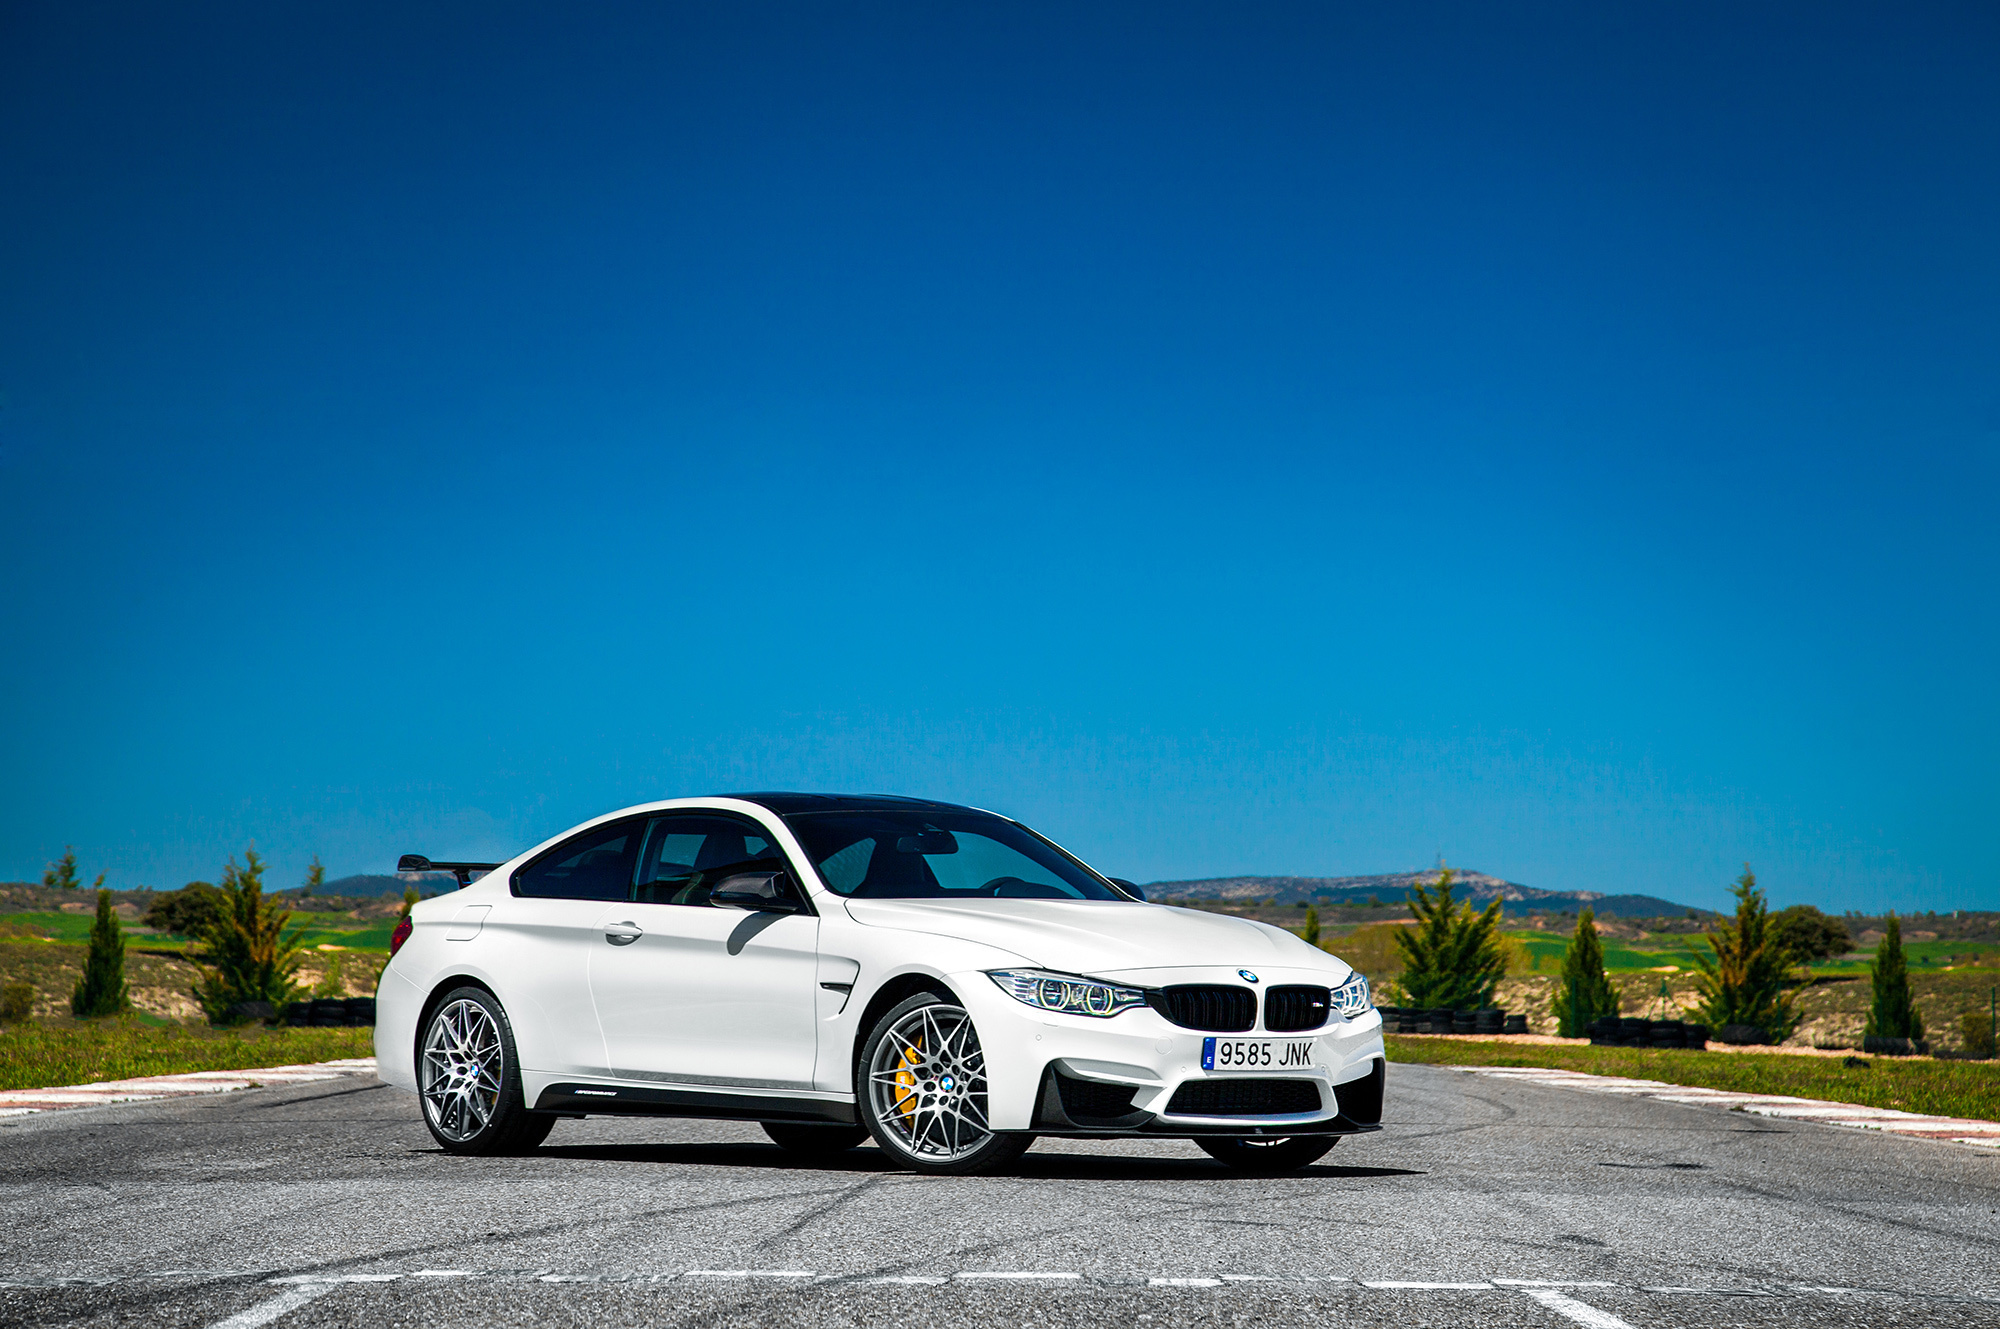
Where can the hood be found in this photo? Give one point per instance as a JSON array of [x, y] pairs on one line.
[[1101, 936]]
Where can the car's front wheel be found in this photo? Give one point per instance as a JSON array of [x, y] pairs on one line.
[[470, 1081], [1267, 1158], [923, 1091]]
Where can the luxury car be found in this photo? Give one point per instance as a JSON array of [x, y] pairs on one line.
[[940, 978]]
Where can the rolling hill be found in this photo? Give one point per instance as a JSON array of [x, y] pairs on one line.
[[1394, 886]]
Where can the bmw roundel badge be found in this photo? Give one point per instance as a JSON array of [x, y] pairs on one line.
[[1248, 977]]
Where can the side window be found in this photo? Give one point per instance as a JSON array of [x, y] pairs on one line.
[[597, 865], [687, 853]]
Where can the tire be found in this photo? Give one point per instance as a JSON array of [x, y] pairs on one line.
[[469, 1079], [921, 1089], [814, 1141], [1266, 1158]]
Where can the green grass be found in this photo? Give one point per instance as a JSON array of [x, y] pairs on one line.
[[38, 1053], [355, 934], [1947, 1088]]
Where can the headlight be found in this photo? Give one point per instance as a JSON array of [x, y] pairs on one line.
[[1066, 992], [1351, 997]]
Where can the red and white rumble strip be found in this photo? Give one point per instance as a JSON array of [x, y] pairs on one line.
[[20, 1102], [1958, 1130]]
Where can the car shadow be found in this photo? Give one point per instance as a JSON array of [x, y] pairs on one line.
[[869, 1160]]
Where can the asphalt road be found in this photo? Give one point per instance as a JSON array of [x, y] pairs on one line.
[[329, 1204]]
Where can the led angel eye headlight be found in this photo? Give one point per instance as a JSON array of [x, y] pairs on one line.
[[1065, 993], [1351, 997]]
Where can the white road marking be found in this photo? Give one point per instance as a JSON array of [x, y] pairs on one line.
[[1427, 1287], [1570, 1308], [1263, 1278], [912, 1280], [1183, 1282], [283, 1304], [326, 1278], [748, 1273], [997, 1273]]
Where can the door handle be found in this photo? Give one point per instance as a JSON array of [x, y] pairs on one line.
[[623, 934]]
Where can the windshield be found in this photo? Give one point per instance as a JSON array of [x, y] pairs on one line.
[[889, 854]]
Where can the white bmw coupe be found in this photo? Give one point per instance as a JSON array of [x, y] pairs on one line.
[[941, 978]]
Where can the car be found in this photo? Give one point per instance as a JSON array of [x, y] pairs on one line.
[[840, 967]]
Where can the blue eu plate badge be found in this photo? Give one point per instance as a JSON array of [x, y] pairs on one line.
[[1208, 1054]]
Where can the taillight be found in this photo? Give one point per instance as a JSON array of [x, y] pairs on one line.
[[400, 935]]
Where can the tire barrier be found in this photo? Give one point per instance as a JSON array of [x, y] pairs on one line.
[[330, 1013], [1612, 1031], [1492, 1020]]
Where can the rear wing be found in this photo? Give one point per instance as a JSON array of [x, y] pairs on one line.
[[463, 871]]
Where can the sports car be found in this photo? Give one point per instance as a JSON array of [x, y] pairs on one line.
[[939, 978]]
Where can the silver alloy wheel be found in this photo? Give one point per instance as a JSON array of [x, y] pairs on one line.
[[927, 1084], [463, 1069]]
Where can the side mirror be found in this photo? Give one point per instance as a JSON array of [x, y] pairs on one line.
[[763, 892], [1130, 888]]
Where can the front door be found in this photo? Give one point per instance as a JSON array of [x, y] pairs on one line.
[[690, 993]]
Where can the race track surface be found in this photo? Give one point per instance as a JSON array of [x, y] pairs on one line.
[[328, 1204]]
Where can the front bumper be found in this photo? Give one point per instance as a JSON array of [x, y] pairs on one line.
[[1036, 1061]]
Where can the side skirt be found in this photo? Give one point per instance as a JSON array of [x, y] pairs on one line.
[[571, 1099]]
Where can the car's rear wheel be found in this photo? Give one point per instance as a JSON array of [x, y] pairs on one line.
[[1267, 1158], [814, 1140], [923, 1091], [470, 1080]]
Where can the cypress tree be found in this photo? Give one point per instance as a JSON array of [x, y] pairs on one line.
[[247, 955], [1451, 958], [1743, 979], [101, 990], [1312, 924], [1584, 992], [1893, 1015]]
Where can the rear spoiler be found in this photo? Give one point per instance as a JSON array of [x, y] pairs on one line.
[[463, 871]]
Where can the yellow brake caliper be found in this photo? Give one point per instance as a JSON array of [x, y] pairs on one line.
[[906, 1088]]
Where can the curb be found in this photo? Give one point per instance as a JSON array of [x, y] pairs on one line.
[[23, 1102]]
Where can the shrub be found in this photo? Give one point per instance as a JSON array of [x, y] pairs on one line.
[[1808, 935], [1892, 1015], [1451, 958], [1975, 1030], [17, 1000], [101, 990], [1584, 993], [246, 956], [188, 912], [1744, 981]]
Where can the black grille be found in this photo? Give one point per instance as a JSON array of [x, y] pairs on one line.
[[1091, 1100], [1220, 1010], [1291, 1008], [1361, 1100], [1244, 1098]]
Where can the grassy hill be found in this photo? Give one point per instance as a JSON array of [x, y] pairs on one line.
[[1394, 887]]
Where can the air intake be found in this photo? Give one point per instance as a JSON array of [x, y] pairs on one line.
[[1212, 1007], [1244, 1098]]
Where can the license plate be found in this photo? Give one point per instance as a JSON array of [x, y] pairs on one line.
[[1255, 1054]]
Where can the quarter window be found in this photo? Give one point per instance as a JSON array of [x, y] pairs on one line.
[[597, 865]]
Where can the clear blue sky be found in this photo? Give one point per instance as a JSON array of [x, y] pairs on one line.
[[1233, 439]]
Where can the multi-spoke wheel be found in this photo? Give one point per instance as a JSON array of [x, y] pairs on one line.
[[1266, 1158], [470, 1084], [923, 1091]]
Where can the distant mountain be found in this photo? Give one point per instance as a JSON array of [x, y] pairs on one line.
[[1396, 886], [367, 885]]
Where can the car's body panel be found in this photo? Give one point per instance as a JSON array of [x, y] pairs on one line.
[[723, 1012]]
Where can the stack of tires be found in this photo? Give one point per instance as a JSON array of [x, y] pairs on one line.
[[331, 1013], [1632, 1032], [1408, 1020]]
